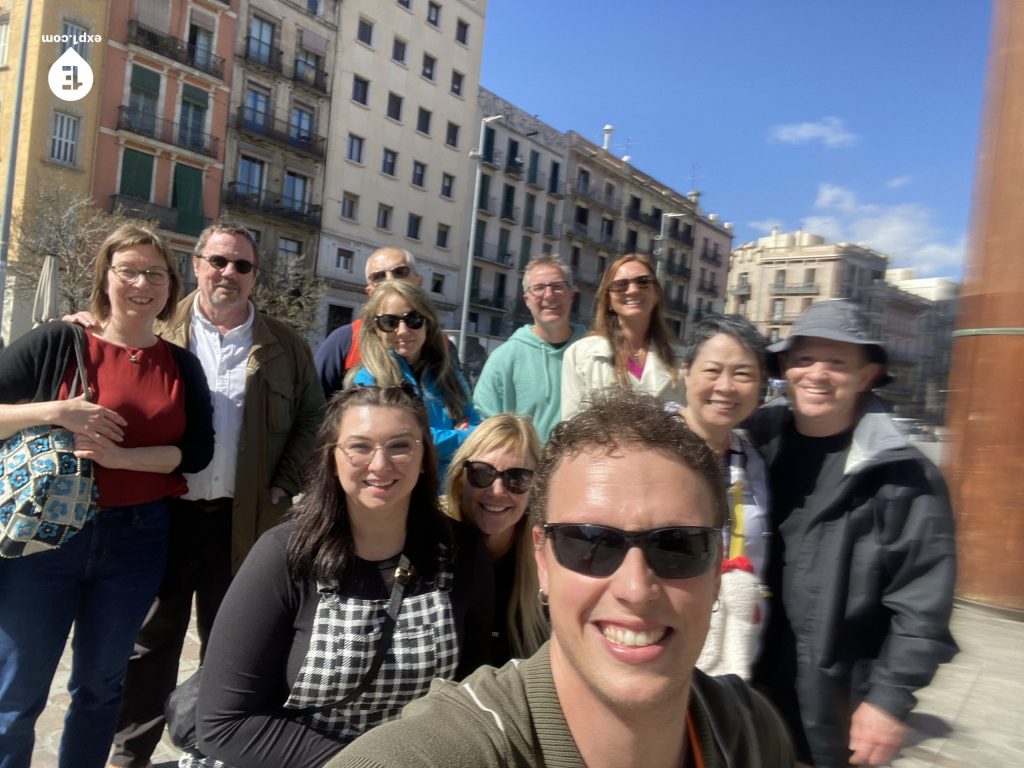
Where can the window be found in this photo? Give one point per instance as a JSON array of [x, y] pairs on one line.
[[447, 185], [429, 64], [384, 216], [360, 89], [419, 174], [200, 47], [260, 45], [388, 161], [778, 309], [457, 81], [423, 120], [142, 100], [583, 181], [70, 32], [412, 226], [343, 259], [354, 150], [442, 235], [350, 206], [5, 41], [451, 136], [308, 69], [525, 247], [553, 180], [364, 32], [64, 141], [257, 107], [250, 176], [289, 250], [399, 50], [394, 106], [462, 31], [434, 14], [300, 123], [192, 119], [296, 191], [315, 7], [405, 3], [437, 283]]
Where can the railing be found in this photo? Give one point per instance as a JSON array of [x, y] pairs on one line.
[[245, 196], [197, 57], [530, 221], [684, 236], [711, 257], [310, 76], [176, 134], [536, 178], [487, 298], [487, 205], [709, 288], [652, 220], [552, 230], [784, 289], [557, 189], [742, 288], [170, 219], [678, 305], [580, 230], [514, 167], [489, 252], [262, 124], [264, 54], [510, 213], [680, 270], [627, 246], [491, 158], [633, 214]]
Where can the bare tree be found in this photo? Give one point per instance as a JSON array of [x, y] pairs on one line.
[[291, 293]]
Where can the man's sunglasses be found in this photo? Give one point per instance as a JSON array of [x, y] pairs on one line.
[[242, 266], [480, 474], [677, 552], [398, 273], [389, 323], [621, 286]]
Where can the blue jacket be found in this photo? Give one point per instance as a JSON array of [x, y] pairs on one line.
[[446, 439]]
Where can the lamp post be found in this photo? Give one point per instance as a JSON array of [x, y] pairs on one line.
[[476, 154]]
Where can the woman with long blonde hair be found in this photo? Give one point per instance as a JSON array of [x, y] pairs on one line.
[[629, 345], [488, 486]]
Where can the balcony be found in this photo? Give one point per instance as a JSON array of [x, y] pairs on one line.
[[684, 236], [170, 219], [678, 305], [633, 214], [531, 221], [610, 202], [261, 124], [742, 288], [629, 246], [556, 188], [552, 230], [711, 289], [580, 230], [514, 167], [652, 220], [489, 252], [679, 270], [310, 75], [487, 205], [197, 57], [175, 134], [238, 195], [536, 178], [487, 298], [789, 289], [711, 257], [510, 213], [491, 157], [262, 54]]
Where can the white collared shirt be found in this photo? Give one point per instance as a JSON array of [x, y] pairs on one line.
[[224, 358]]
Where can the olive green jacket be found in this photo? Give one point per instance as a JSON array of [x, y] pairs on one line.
[[281, 414]]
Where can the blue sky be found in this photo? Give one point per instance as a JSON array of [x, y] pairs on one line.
[[854, 119]]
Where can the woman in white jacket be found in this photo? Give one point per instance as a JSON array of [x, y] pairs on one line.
[[629, 345]]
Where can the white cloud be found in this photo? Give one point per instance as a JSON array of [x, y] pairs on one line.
[[905, 232], [899, 181], [830, 131], [766, 225]]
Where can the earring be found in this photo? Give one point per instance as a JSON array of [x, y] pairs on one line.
[[542, 597], [716, 606]]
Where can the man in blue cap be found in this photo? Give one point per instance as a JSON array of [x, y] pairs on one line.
[[863, 557]]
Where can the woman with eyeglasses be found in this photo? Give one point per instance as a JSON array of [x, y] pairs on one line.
[[488, 486], [629, 345], [146, 421], [302, 624], [401, 340]]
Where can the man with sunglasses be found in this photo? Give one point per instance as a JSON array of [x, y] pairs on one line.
[[339, 352], [524, 375], [628, 507], [267, 408]]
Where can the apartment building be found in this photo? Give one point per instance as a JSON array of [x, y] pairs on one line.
[[398, 170], [280, 108], [57, 139], [712, 244], [518, 211]]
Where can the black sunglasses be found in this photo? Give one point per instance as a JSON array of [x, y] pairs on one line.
[[621, 286], [677, 552], [398, 273], [389, 323], [482, 475], [242, 266]]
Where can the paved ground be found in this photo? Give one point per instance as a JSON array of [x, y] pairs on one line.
[[971, 715]]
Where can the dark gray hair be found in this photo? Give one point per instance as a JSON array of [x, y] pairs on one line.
[[546, 260], [735, 326]]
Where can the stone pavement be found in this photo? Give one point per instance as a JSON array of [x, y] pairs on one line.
[[971, 715]]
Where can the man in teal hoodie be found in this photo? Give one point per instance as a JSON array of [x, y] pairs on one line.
[[524, 375]]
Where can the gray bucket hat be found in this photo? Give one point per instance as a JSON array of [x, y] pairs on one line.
[[835, 320]]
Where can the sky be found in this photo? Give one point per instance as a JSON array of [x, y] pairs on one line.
[[857, 120]]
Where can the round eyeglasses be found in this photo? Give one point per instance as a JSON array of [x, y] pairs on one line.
[[360, 453], [131, 275]]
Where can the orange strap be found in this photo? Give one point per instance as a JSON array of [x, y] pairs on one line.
[[698, 758]]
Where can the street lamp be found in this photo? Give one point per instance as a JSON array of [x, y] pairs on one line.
[[476, 154]]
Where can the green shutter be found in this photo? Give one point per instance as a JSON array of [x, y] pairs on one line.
[[194, 95], [136, 174], [145, 80], [187, 198]]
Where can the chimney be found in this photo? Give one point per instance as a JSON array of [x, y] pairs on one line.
[[607, 145]]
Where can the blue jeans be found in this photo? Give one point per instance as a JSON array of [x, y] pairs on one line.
[[103, 581]]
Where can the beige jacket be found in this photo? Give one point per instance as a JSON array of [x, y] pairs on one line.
[[283, 408]]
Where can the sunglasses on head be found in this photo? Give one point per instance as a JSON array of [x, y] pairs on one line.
[[397, 273], [480, 474], [622, 285], [242, 266], [676, 552], [389, 323]]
